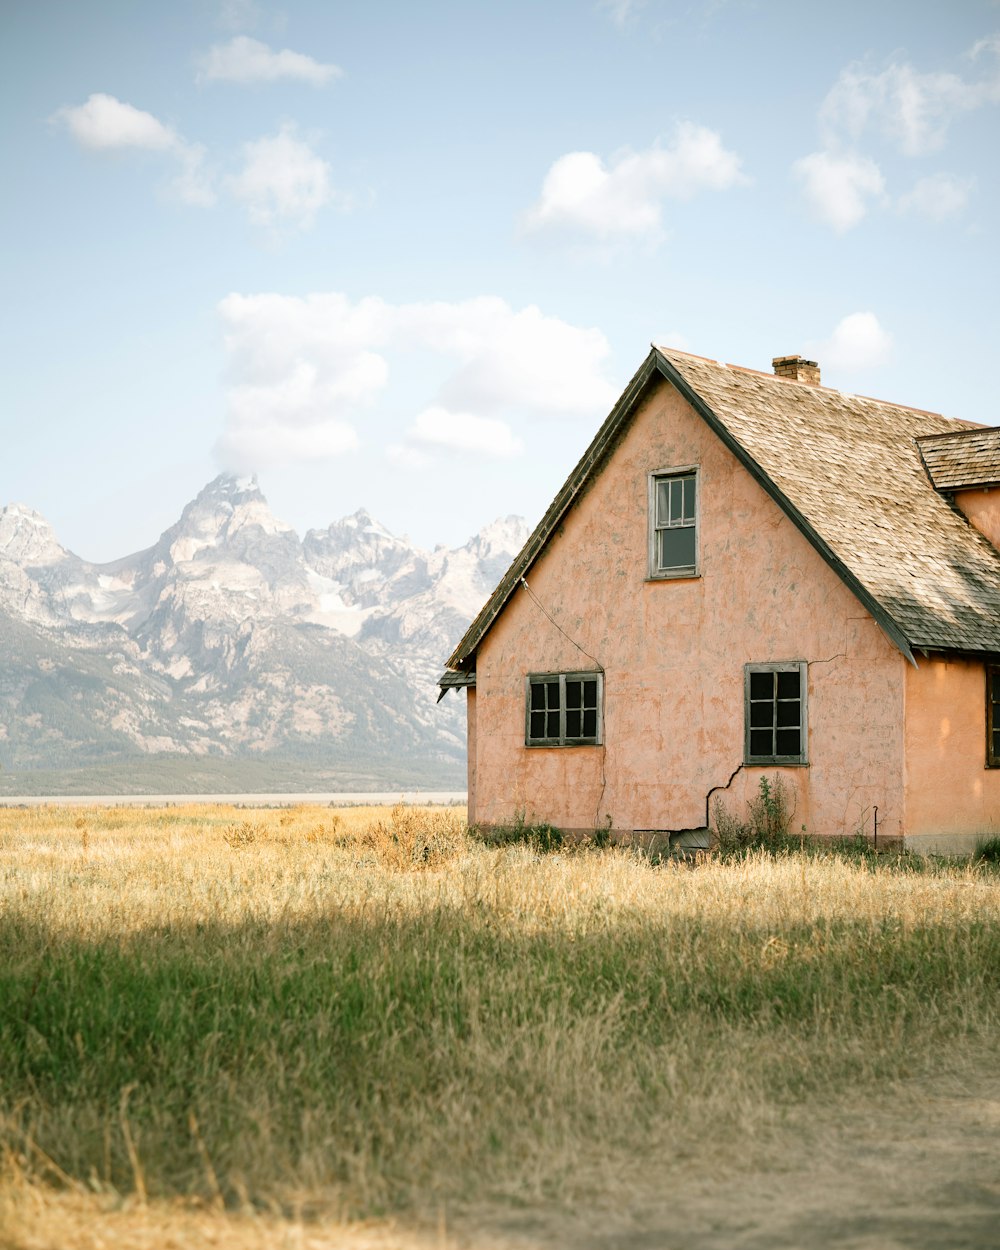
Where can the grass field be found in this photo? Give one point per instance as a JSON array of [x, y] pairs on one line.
[[225, 1027]]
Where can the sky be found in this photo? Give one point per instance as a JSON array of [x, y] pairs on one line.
[[405, 257]]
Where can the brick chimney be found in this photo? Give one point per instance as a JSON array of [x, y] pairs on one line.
[[797, 369]]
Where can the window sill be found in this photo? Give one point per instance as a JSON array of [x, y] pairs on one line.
[[776, 763], [682, 575], [561, 746]]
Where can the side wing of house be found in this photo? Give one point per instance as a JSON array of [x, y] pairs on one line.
[[953, 701], [677, 639]]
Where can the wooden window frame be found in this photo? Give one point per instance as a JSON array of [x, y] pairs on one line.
[[563, 740], [784, 666], [656, 573], [992, 716]]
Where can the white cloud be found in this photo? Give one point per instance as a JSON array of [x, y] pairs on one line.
[[911, 109], [621, 10], [238, 14], [107, 124], [938, 196], [510, 359], [304, 370], [245, 60], [858, 342], [282, 180], [579, 192], [839, 188], [463, 431]]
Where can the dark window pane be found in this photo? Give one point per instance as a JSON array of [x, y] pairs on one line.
[[677, 548], [537, 725], [996, 745], [573, 722], [788, 712], [761, 715], [788, 685], [761, 742], [788, 742], [689, 499], [553, 691], [995, 684], [574, 692], [590, 694], [590, 723], [761, 685], [552, 725], [537, 695]]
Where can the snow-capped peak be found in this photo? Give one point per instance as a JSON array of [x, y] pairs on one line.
[[27, 538]]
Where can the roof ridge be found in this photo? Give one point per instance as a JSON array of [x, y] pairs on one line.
[[974, 427], [903, 575]]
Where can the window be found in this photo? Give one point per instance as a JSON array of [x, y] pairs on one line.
[[775, 713], [993, 715], [564, 709], [673, 523]]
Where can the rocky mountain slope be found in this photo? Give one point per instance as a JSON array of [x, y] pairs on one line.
[[232, 639]]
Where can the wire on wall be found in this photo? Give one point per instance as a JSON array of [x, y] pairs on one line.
[[600, 668]]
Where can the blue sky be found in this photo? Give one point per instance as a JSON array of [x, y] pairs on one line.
[[406, 256]]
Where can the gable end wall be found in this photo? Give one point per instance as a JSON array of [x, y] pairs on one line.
[[673, 653]]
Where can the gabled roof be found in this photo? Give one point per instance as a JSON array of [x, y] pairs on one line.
[[962, 458], [847, 472]]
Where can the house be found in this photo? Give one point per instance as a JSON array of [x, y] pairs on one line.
[[750, 574]]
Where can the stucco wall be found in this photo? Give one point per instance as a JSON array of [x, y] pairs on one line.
[[982, 507], [470, 763], [952, 798], [673, 653]]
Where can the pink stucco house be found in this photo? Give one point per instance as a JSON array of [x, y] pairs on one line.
[[750, 574]]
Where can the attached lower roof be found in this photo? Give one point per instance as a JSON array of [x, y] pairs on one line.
[[962, 459], [848, 473]]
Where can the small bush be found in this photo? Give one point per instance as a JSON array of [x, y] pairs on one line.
[[540, 836], [411, 838], [244, 833], [987, 852], [765, 828]]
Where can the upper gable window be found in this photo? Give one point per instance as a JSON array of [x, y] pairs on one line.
[[993, 715], [775, 713], [564, 709], [673, 523]]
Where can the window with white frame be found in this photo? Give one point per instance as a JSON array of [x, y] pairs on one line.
[[564, 709], [673, 523], [775, 729]]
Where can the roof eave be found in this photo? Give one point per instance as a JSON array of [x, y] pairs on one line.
[[887, 623], [463, 657]]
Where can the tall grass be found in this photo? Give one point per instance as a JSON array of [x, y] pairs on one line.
[[353, 1011]]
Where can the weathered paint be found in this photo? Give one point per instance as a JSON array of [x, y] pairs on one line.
[[470, 764], [673, 653], [982, 507], [952, 798]]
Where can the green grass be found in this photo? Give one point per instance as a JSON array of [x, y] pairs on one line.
[[326, 1016]]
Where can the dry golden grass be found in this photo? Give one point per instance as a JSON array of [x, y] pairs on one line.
[[327, 1015]]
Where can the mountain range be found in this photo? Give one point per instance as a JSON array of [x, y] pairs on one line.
[[233, 655]]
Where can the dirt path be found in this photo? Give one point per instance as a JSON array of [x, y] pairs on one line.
[[916, 1169]]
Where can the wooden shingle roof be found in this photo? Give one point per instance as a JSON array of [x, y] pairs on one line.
[[962, 458], [848, 472]]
